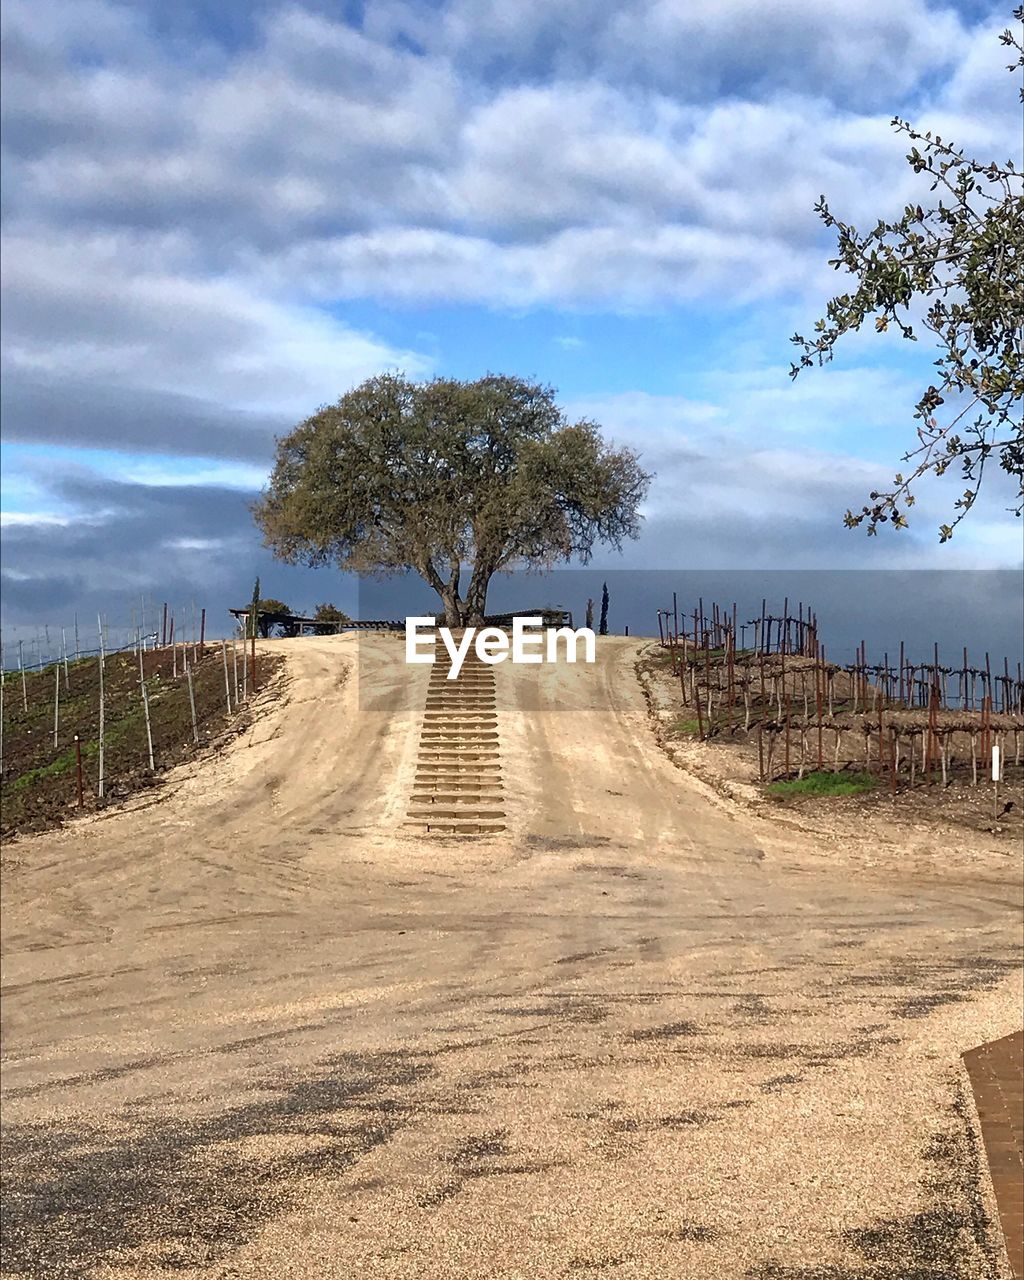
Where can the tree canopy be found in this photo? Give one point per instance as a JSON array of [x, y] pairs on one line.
[[454, 480], [960, 260], [330, 613]]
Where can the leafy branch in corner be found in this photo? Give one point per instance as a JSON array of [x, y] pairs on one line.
[[963, 257]]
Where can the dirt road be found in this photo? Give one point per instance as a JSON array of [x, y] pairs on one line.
[[260, 1028]]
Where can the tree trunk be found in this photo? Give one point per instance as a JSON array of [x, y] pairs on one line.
[[454, 611], [476, 597]]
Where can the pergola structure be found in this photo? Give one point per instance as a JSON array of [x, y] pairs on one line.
[[296, 625]]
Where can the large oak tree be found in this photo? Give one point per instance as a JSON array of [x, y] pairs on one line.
[[454, 480]]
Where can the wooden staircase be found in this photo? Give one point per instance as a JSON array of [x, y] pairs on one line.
[[458, 785]]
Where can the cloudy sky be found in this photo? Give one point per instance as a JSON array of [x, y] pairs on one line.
[[220, 216]]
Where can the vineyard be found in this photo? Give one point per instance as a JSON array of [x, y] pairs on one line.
[[77, 734], [906, 725]]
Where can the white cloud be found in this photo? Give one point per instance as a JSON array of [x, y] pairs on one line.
[[863, 51], [643, 162], [119, 307], [52, 519], [159, 475], [16, 519], [589, 266], [195, 544], [736, 488]]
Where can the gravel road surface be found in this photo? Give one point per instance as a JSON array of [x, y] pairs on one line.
[[256, 1027]]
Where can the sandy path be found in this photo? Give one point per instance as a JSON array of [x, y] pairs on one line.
[[257, 1029]]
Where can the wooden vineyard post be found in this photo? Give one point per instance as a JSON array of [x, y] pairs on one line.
[[56, 703], [696, 703], [892, 760], [760, 752], [986, 728], [730, 641], [254, 685], [933, 732], [782, 656], [78, 767], [926, 753], [101, 782], [863, 675], [818, 674], [21, 670]]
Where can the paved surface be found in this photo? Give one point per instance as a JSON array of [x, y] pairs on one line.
[[261, 1028], [997, 1077]]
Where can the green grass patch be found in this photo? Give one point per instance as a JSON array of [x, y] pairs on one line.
[[685, 726], [825, 784], [54, 769]]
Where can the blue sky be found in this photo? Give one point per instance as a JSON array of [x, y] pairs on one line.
[[220, 216]]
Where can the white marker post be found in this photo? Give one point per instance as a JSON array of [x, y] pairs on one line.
[[997, 773], [145, 708]]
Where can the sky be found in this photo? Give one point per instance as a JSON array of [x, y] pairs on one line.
[[221, 216]]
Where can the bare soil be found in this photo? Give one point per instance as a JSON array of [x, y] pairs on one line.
[[263, 1029]]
